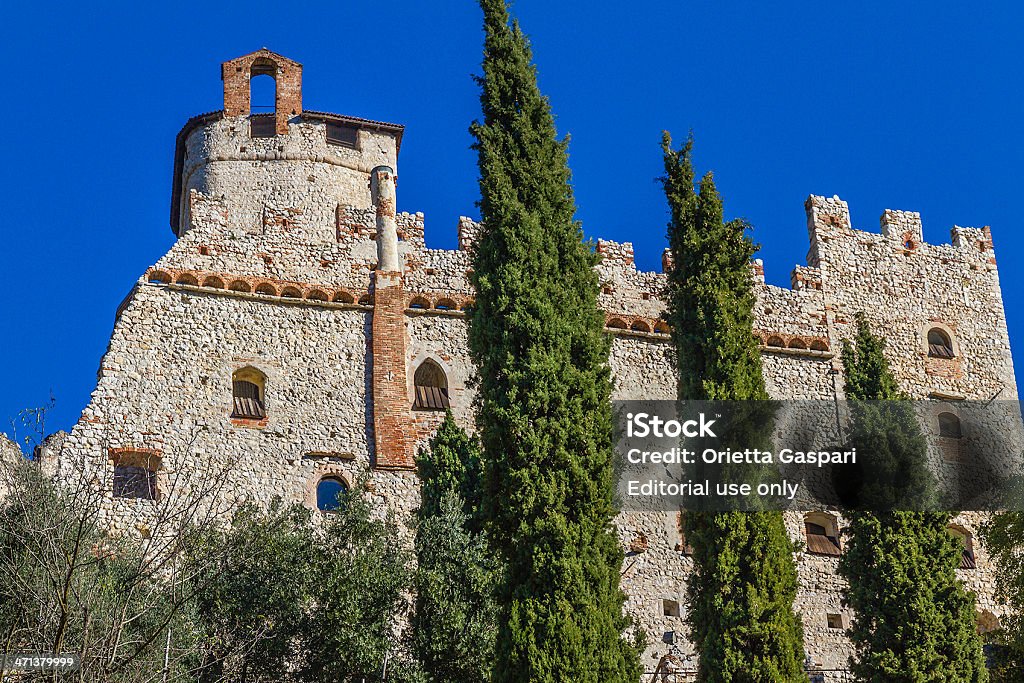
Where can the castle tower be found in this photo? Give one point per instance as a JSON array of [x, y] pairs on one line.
[[260, 162], [299, 337]]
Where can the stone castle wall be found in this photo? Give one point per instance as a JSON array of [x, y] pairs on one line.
[[276, 269]]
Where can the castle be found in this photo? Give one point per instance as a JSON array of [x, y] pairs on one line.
[[300, 329]]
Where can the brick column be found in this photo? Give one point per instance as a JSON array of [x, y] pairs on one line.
[[395, 441]]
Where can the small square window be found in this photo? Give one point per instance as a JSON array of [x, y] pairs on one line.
[[670, 608], [132, 481], [262, 126], [835, 621], [341, 135]]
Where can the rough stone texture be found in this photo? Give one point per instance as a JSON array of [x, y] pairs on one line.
[[274, 269], [10, 456]]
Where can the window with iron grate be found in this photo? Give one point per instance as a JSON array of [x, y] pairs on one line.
[[247, 394]]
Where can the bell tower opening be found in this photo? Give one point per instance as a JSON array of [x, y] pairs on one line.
[[264, 86]]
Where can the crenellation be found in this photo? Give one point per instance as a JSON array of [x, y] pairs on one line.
[[904, 226]]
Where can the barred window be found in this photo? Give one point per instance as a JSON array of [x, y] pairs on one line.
[[967, 559], [247, 392], [134, 481], [431, 387]]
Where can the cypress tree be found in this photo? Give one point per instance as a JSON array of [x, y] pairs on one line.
[[455, 619], [914, 621], [544, 414], [744, 580], [1004, 540]]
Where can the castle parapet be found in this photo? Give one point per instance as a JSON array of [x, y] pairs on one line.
[[904, 226], [616, 253]]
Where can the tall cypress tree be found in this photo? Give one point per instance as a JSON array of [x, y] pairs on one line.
[[455, 618], [744, 580], [914, 621], [544, 415]]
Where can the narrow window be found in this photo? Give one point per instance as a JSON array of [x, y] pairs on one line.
[[835, 621], [949, 426], [682, 546], [340, 135], [967, 559], [330, 493], [822, 535], [670, 608], [431, 387], [939, 344], [262, 101], [247, 392]]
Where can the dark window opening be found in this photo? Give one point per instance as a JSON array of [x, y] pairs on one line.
[[330, 493], [967, 559], [341, 135], [949, 426], [939, 344], [248, 400], [835, 621], [431, 387], [819, 542], [132, 481], [262, 125]]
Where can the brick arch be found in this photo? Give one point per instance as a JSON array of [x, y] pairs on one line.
[[317, 295], [343, 297], [640, 326], [366, 300], [420, 302], [287, 74], [321, 473], [213, 282], [775, 341], [159, 276], [797, 343], [266, 288], [187, 279], [662, 327], [617, 324], [819, 345], [445, 304], [240, 286], [291, 292], [467, 304]]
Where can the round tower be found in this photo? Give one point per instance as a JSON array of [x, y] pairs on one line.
[[259, 161]]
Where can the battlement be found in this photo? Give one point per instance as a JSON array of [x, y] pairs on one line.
[[828, 219]]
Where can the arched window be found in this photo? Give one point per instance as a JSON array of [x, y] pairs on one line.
[[330, 493], [949, 426], [247, 391], [431, 386], [822, 532], [263, 100], [939, 343], [967, 560]]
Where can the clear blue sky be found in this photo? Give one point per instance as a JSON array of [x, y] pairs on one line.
[[916, 107]]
